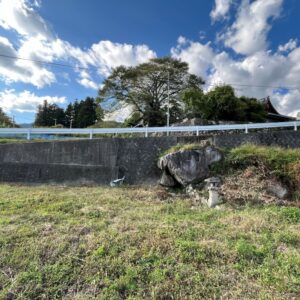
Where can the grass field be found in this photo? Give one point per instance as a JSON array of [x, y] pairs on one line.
[[141, 243]]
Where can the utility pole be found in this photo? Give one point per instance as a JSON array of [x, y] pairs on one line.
[[168, 113], [13, 121], [168, 108], [71, 121]]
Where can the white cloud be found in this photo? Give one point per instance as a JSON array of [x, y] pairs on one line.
[[288, 103], [248, 34], [220, 10], [182, 40], [21, 16], [107, 55], [197, 55], [38, 43], [86, 81], [257, 75], [289, 46], [25, 101], [13, 70]]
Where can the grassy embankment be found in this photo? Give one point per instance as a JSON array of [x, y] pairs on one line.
[[143, 243], [280, 163]]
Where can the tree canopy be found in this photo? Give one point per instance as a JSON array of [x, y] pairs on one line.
[[147, 87], [221, 103], [79, 114], [83, 113], [49, 115], [5, 121]]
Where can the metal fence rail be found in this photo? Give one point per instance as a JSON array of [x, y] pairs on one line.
[[145, 130]]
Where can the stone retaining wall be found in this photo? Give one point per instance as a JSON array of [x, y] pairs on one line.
[[99, 161]]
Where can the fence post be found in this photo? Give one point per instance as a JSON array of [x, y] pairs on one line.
[[146, 132], [197, 131], [246, 129], [295, 126], [91, 134], [28, 134]]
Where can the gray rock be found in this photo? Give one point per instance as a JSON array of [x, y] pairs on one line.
[[189, 166], [167, 180]]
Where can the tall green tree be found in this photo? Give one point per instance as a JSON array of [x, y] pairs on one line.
[[87, 115], [195, 103], [151, 87], [253, 111], [221, 103], [83, 113], [70, 115], [49, 115], [5, 120]]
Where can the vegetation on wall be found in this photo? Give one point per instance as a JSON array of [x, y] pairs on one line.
[[279, 162]]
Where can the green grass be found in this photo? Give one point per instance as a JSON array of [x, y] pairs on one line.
[[139, 243], [12, 141], [19, 141], [181, 147], [276, 158]]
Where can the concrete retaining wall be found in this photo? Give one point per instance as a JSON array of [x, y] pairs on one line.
[[286, 139], [99, 161]]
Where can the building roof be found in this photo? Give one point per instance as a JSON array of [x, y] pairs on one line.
[[272, 113]]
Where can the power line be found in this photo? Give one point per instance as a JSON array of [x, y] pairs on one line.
[[257, 86], [95, 68], [43, 62]]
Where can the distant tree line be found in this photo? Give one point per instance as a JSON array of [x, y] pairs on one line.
[[159, 91], [164, 86], [221, 104], [79, 114], [5, 120]]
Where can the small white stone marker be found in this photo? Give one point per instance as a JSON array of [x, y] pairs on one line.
[[213, 189]]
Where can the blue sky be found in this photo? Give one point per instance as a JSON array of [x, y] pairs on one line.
[[252, 45]]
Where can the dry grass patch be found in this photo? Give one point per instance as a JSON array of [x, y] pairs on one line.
[[142, 243]]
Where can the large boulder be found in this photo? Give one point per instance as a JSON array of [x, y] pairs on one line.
[[188, 166], [167, 180]]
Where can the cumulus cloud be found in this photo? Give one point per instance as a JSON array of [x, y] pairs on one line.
[[25, 101], [220, 10], [39, 44], [248, 34], [36, 42], [107, 55], [21, 16], [199, 56], [257, 75], [252, 76], [13, 70], [288, 103]]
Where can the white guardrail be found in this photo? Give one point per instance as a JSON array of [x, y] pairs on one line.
[[144, 130]]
